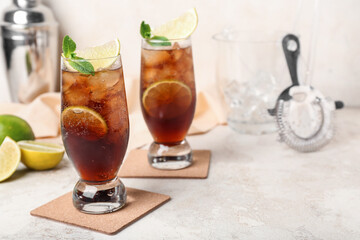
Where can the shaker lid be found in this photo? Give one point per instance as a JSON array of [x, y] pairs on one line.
[[27, 12]]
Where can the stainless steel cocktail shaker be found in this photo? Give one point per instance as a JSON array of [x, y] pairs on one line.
[[29, 46]]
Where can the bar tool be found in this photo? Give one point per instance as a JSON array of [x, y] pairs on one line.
[[303, 115], [29, 36]]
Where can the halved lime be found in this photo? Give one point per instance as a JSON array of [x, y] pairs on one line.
[[179, 28], [40, 155], [9, 158], [84, 122]]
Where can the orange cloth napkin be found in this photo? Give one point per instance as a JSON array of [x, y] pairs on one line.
[[43, 114]]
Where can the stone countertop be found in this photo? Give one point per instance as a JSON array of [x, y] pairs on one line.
[[257, 188]]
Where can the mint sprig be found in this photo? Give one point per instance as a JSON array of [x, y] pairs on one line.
[[83, 66], [145, 32], [69, 46]]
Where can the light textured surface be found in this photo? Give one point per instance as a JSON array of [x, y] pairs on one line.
[[336, 66], [257, 188]]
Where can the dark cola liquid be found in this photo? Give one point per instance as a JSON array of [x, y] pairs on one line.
[[175, 65], [96, 157]]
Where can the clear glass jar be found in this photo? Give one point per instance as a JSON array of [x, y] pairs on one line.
[[250, 71]]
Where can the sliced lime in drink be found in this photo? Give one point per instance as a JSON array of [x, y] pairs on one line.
[[84, 122], [167, 98]]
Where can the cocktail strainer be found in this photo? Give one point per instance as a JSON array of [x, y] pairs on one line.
[[303, 115]]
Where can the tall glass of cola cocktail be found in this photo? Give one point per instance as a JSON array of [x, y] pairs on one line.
[[95, 132], [168, 98]]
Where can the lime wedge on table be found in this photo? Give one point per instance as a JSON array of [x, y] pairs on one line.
[[101, 57], [9, 158], [181, 27], [39, 155]]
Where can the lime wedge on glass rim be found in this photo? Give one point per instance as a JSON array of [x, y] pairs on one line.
[[101, 57], [178, 28]]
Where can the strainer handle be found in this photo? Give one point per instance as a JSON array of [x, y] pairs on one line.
[[291, 48], [339, 104]]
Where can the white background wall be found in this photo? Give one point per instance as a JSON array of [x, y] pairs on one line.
[[337, 65]]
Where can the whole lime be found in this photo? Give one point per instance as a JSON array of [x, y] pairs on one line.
[[15, 127]]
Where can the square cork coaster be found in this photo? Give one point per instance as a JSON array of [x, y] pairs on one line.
[[138, 204], [136, 166]]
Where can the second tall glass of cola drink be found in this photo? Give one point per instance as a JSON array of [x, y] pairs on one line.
[[168, 98]]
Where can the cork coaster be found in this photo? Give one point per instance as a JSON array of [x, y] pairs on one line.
[[136, 166], [138, 204]]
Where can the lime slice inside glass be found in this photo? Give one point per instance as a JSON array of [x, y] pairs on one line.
[[84, 122], [167, 99]]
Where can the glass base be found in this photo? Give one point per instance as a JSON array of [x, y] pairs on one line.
[[170, 157], [99, 198]]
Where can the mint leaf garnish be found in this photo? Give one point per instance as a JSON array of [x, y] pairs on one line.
[[162, 41], [69, 47], [83, 67], [159, 38], [145, 32]]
